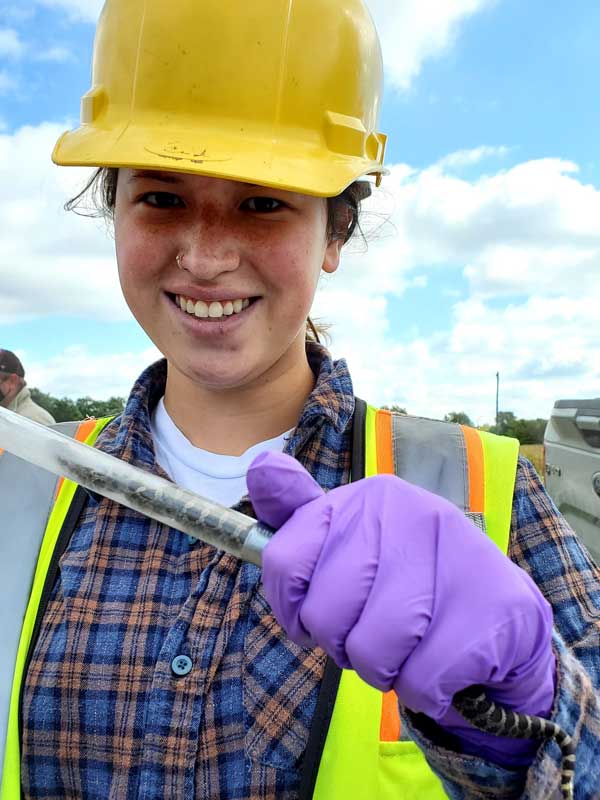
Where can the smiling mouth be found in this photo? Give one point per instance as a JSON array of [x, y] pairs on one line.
[[214, 310]]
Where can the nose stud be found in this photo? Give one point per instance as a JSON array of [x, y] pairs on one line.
[[179, 260]]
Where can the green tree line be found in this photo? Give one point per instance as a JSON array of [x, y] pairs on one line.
[[63, 409], [527, 431]]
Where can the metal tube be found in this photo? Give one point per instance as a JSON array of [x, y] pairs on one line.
[[135, 488]]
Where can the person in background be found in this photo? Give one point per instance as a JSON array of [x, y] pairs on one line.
[[14, 393]]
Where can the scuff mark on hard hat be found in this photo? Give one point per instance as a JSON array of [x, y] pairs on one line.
[[193, 158]]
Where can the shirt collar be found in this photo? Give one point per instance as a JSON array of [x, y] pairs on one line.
[[129, 436], [332, 397], [18, 400]]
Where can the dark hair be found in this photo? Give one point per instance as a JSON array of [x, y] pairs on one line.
[[343, 215]]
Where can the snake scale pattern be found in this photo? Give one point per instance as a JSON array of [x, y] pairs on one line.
[[483, 713]]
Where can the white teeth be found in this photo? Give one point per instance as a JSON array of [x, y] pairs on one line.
[[201, 309], [214, 310]]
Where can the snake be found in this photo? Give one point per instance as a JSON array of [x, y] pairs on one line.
[[486, 715]]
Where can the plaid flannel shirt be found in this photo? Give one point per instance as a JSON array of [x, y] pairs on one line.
[[106, 716]]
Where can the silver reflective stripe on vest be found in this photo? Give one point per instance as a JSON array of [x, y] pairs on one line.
[[432, 455], [26, 499]]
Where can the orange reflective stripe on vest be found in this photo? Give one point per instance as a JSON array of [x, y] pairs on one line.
[[390, 727], [84, 432], [476, 469]]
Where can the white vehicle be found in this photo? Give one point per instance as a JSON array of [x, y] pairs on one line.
[[572, 466]]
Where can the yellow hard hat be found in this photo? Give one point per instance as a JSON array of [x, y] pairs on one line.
[[282, 93]]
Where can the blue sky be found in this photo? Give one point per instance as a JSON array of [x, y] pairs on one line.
[[491, 256], [523, 75]]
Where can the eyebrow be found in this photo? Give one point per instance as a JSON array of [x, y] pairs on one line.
[[173, 177], [163, 177]]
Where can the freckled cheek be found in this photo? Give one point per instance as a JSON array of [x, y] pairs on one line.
[[138, 259], [126, 245], [298, 264], [291, 276], [129, 272]]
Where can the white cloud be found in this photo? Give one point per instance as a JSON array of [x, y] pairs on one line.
[[44, 251], [76, 372], [413, 31], [544, 350], [529, 228], [526, 229], [468, 158], [10, 43], [12, 46]]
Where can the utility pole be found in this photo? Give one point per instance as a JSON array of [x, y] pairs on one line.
[[497, 397]]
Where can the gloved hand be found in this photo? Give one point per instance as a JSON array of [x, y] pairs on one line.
[[395, 583]]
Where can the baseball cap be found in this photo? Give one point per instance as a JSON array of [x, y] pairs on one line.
[[10, 363]]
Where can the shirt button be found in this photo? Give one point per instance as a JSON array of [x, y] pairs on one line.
[[181, 666], [192, 540]]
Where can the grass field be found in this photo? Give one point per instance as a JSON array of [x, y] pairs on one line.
[[535, 453]]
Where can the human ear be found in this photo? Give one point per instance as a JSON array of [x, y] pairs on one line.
[[333, 253]]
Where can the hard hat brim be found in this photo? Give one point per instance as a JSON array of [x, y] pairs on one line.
[[276, 162]]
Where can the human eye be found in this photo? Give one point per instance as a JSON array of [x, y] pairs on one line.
[[161, 200], [263, 205]]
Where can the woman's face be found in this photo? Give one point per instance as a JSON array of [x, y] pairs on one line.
[[250, 260]]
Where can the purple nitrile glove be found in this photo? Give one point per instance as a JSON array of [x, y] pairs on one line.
[[397, 584]]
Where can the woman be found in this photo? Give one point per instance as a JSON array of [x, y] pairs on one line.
[[233, 163]]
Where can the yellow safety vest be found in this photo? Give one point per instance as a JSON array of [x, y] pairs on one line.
[[362, 758]]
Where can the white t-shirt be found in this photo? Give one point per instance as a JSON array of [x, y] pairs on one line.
[[216, 477]]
